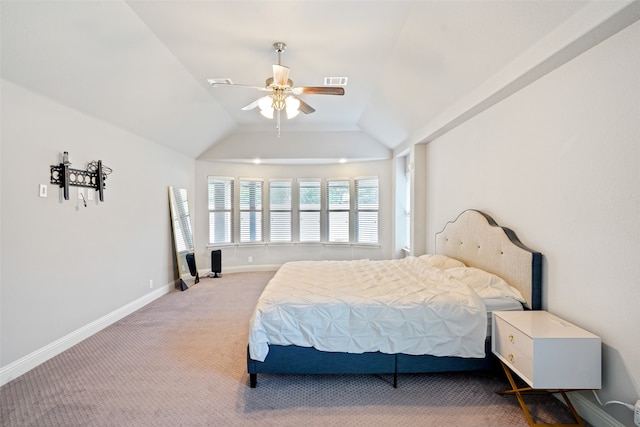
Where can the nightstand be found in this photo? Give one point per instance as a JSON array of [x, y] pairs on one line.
[[548, 353]]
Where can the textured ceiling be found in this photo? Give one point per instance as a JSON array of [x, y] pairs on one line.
[[143, 65]]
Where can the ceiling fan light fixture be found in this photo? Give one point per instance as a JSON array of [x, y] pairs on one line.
[[267, 113], [279, 96], [276, 102], [265, 104], [282, 93], [292, 106]]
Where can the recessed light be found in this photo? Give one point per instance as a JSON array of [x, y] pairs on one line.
[[343, 160], [256, 161]]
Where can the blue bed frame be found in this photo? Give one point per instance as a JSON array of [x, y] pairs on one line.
[[474, 238]]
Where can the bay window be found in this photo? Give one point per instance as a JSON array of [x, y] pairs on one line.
[[250, 210], [309, 210], [280, 210]]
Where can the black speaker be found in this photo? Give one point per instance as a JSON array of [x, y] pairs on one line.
[[216, 262]]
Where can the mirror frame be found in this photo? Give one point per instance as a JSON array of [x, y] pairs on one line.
[[182, 231]]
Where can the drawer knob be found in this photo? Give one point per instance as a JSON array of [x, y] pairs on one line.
[[510, 357], [511, 338]]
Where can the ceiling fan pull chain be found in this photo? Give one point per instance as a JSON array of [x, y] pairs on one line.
[[278, 122]]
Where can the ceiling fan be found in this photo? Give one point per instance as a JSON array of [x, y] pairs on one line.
[[281, 92]]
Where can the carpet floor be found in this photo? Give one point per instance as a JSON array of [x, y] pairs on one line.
[[181, 361]]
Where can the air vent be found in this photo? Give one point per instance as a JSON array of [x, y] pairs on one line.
[[220, 81], [335, 81]]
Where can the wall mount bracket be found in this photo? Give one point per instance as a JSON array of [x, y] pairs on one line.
[[94, 177]]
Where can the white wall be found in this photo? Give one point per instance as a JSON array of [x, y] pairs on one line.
[[236, 256], [291, 146], [63, 265], [558, 163]]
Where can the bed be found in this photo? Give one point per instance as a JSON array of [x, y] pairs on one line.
[[434, 305]]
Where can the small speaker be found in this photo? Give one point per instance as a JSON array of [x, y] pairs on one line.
[[216, 262]]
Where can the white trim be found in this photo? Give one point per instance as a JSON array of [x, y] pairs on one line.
[[30, 361], [591, 412], [245, 269]]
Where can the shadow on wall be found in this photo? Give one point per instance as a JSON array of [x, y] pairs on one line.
[[615, 371]]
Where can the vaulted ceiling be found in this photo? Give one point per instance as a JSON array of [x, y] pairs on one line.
[[414, 68]]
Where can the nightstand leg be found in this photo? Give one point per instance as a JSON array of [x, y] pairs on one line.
[[518, 392]]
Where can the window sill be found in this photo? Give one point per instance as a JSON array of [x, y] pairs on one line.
[[318, 244]]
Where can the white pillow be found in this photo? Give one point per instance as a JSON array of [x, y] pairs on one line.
[[485, 284], [441, 262]]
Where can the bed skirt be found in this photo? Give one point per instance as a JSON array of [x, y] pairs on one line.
[[309, 361]]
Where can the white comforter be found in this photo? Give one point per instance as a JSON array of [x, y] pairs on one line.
[[391, 306]]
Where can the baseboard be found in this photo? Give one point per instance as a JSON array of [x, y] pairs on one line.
[[243, 269], [591, 412], [30, 361]]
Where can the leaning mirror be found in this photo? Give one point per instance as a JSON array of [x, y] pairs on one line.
[[183, 238]]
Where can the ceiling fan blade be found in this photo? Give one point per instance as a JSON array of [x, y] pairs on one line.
[[216, 83], [305, 108], [251, 106], [318, 90], [280, 75]]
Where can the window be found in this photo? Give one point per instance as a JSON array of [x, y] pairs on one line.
[[366, 210], [407, 216], [250, 211], [310, 196], [338, 206], [220, 210], [280, 211], [310, 210]]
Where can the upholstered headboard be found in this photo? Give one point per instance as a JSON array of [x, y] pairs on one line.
[[475, 239]]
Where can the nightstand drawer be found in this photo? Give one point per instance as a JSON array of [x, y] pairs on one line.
[[516, 360], [512, 339]]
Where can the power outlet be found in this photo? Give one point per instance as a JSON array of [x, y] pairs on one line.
[[250, 259], [636, 413], [150, 283]]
